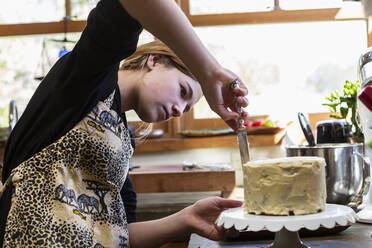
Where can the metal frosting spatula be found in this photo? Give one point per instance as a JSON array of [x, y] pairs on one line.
[[241, 132]]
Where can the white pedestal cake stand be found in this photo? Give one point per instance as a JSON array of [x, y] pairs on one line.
[[365, 215], [286, 227]]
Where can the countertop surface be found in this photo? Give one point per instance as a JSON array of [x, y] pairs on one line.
[[359, 235]]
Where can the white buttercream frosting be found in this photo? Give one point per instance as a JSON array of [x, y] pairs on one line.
[[285, 186]]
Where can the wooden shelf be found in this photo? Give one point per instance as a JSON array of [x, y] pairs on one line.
[[172, 178], [174, 144]]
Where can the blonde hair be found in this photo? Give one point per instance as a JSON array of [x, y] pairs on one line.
[[138, 59]]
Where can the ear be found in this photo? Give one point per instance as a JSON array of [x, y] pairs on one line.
[[152, 60]]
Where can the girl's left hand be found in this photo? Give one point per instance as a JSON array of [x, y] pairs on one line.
[[201, 216]]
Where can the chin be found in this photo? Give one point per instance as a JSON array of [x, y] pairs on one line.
[[147, 118], [150, 117]]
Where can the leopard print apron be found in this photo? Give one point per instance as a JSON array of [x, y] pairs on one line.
[[68, 194]]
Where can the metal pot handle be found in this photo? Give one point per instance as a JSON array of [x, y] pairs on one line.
[[366, 175]]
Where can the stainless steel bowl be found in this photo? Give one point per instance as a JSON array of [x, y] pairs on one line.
[[347, 170]]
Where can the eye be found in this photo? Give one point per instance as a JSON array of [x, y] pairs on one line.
[[183, 91], [187, 108]]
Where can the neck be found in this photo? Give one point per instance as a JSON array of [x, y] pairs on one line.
[[128, 82]]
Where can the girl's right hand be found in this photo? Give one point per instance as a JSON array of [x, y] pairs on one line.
[[221, 97]]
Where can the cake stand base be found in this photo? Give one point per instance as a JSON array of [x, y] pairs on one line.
[[365, 215], [286, 227], [285, 239]]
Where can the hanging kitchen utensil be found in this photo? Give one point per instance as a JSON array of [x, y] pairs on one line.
[[13, 114], [46, 61], [44, 64], [306, 129], [241, 132]]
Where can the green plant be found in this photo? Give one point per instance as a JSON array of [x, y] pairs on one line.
[[345, 106]]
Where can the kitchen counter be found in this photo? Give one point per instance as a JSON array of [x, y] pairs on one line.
[[359, 235]]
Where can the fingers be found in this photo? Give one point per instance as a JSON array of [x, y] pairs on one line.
[[228, 203], [207, 211], [242, 101], [225, 114], [232, 233], [241, 91], [233, 123], [240, 98], [225, 234], [223, 98]]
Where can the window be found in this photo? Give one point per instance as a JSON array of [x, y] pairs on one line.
[[81, 8], [200, 7], [28, 11], [24, 59], [314, 4], [289, 63], [299, 50]]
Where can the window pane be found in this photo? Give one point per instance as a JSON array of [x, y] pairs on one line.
[[315, 4], [81, 8], [198, 7], [287, 67], [22, 59], [27, 11], [145, 37]]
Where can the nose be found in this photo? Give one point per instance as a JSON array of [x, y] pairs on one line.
[[177, 110]]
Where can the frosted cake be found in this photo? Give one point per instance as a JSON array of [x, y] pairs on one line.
[[285, 186]]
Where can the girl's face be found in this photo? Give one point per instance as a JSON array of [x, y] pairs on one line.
[[165, 92]]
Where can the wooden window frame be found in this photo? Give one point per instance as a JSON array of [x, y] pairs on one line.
[[175, 125]]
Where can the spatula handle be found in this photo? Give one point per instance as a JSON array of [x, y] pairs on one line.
[[239, 110]]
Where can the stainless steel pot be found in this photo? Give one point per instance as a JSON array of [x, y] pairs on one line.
[[347, 170]]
